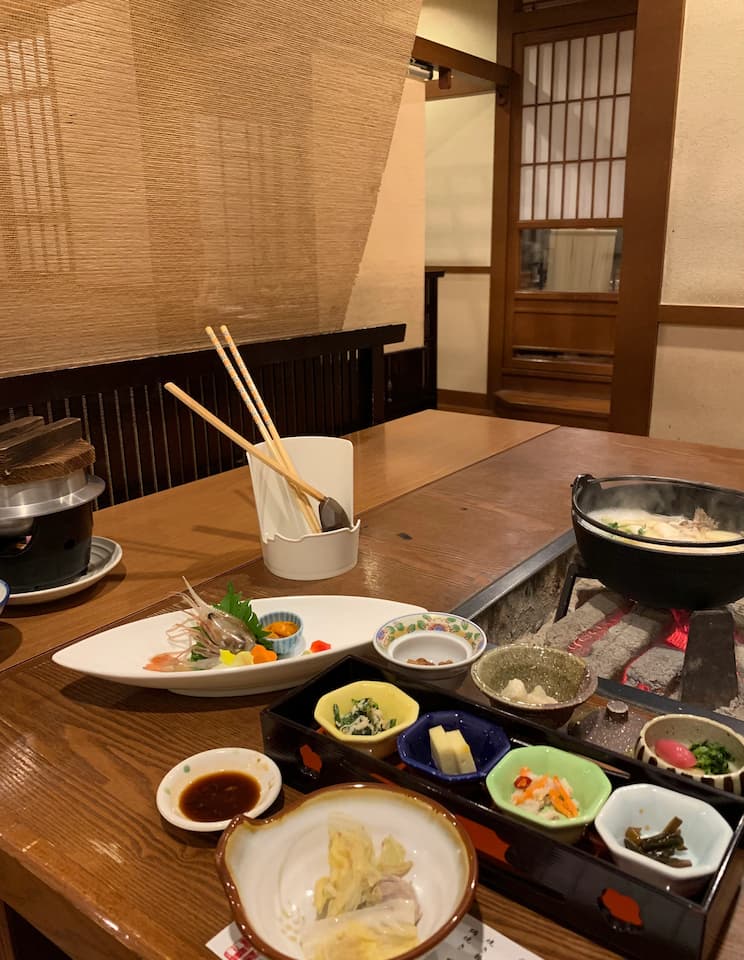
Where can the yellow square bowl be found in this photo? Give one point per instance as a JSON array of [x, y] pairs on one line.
[[394, 704]]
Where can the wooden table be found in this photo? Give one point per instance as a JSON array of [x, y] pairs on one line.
[[83, 853], [208, 527]]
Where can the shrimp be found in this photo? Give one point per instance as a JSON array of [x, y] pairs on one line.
[[207, 632]]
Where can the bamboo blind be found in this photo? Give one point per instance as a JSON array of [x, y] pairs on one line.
[[169, 164]]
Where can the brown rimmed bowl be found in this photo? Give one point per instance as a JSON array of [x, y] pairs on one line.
[[269, 867], [688, 728]]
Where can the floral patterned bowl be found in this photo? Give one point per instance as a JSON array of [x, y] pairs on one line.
[[430, 645]]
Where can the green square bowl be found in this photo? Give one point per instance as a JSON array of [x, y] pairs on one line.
[[590, 786]]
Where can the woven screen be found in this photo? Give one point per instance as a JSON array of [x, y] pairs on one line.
[[170, 163]]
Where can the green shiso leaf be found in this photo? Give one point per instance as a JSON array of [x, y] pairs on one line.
[[234, 604]]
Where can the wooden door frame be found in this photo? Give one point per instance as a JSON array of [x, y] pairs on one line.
[[653, 107], [512, 22]]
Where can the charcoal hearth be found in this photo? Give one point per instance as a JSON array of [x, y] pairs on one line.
[[641, 647]]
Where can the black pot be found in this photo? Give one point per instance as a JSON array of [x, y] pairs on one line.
[[661, 573], [45, 531], [56, 550]]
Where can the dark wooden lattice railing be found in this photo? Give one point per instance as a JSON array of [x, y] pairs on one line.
[[145, 440]]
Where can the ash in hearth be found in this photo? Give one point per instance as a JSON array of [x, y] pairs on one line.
[[632, 644]]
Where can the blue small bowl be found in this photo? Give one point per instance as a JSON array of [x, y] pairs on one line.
[[488, 743], [4, 594], [285, 646]]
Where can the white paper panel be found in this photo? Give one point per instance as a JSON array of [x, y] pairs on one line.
[[540, 211], [570, 190], [624, 61], [588, 129], [601, 184], [560, 70], [585, 190], [529, 76], [554, 197], [617, 188], [591, 73], [607, 67], [543, 133], [525, 193], [576, 69], [544, 72], [620, 135], [573, 131], [528, 134], [604, 128], [557, 132]]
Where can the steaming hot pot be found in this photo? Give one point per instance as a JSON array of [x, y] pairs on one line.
[[661, 573]]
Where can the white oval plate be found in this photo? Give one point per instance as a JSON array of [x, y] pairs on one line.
[[104, 556], [120, 654]]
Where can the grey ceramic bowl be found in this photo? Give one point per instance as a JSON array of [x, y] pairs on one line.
[[562, 675], [688, 729]]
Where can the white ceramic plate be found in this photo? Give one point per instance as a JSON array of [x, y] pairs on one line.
[[120, 654], [104, 556]]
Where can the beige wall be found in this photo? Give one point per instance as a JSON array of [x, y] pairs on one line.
[[459, 179], [389, 287], [468, 25], [699, 380], [705, 232], [699, 387], [462, 359]]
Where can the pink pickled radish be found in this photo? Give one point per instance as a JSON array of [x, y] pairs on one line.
[[676, 753]]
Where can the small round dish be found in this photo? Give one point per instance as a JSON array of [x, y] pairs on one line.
[[590, 787], [392, 702], [220, 760], [650, 808], [686, 728], [285, 646], [488, 744], [449, 644], [4, 594], [562, 675]]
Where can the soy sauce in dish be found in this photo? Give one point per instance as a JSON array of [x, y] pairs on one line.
[[219, 796]]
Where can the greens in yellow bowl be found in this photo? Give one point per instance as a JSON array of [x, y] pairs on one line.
[[367, 715]]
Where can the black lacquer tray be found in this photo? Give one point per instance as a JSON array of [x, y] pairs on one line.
[[577, 886]]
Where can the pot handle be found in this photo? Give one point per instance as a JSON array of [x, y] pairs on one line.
[[578, 487]]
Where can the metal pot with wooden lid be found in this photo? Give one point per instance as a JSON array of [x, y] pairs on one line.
[[46, 503]]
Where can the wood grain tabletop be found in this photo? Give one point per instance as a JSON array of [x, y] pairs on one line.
[[204, 528], [84, 854]]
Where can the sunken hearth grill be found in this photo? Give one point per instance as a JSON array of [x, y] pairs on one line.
[[662, 659]]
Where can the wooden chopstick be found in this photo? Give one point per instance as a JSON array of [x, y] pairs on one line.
[[246, 445], [275, 436], [276, 449]]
